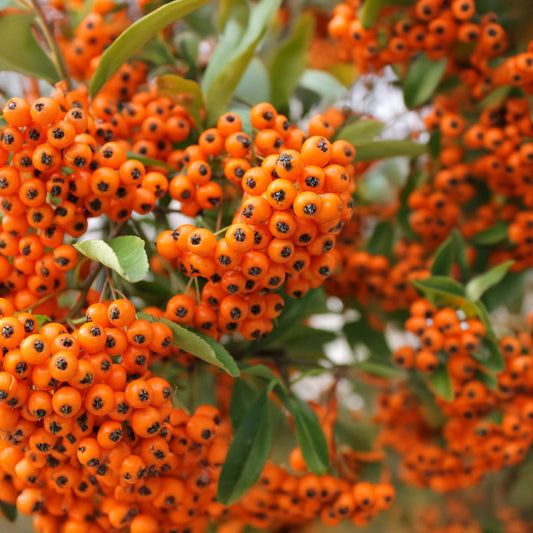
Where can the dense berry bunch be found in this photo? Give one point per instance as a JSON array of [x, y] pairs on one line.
[[372, 279], [297, 195], [440, 28], [442, 334], [475, 443], [88, 442]]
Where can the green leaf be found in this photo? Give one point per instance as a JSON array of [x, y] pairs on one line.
[[382, 240], [136, 36], [488, 379], [149, 162], [361, 131], [124, 255], [508, 293], [371, 9], [483, 315], [439, 285], [9, 511], [378, 369], [444, 258], [296, 310], [248, 452], [477, 286], [20, 51], [492, 235], [289, 62], [254, 86], [260, 371], [242, 395], [325, 86], [41, 320], [441, 383], [308, 343], [496, 97], [157, 52], [310, 435], [186, 92], [201, 20], [382, 149], [489, 355], [442, 290], [460, 251], [361, 332], [434, 144], [422, 79], [200, 345], [413, 180], [234, 51]]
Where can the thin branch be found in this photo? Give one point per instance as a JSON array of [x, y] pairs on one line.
[[51, 42]]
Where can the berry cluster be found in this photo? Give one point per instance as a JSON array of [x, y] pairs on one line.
[[475, 444], [295, 202], [440, 28], [442, 334]]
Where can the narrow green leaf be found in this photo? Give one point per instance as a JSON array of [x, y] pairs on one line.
[[382, 240], [496, 97], [304, 342], [124, 255], [326, 88], [202, 21], [260, 371], [41, 320], [422, 79], [483, 315], [202, 346], [310, 435], [492, 235], [229, 8], [254, 86], [441, 383], [383, 149], [222, 76], [460, 251], [248, 452], [296, 310], [444, 258], [361, 131], [442, 290], [361, 332], [198, 344], [434, 144], [488, 379], [234, 16], [370, 10], [496, 417], [9, 511], [508, 293], [186, 92], [148, 161], [242, 396], [20, 51], [136, 36], [477, 286], [439, 284], [378, 369], [289, 62], [489, 355], [157, 52]]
